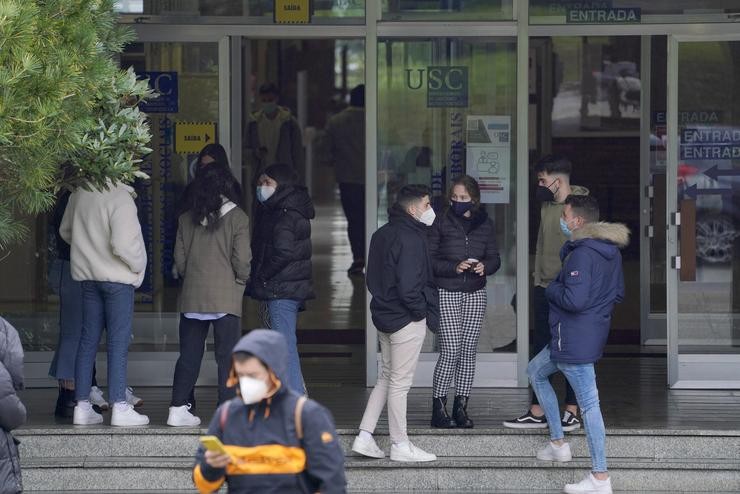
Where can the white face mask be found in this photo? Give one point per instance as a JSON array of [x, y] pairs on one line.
[[264, 192], [427, 217], [252, 390]]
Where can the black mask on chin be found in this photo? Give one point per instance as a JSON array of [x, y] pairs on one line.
[[544, 194]]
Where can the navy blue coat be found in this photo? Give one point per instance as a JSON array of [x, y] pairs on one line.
[[583, 295]]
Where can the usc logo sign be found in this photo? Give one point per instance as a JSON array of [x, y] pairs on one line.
[[446, 86]]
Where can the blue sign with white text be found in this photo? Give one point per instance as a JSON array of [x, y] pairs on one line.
[[165, 84]]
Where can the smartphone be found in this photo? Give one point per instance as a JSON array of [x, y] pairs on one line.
[[473, 264], [212, 443]]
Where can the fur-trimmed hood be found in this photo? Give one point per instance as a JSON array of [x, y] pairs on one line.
[[616, 233], [604, 238]]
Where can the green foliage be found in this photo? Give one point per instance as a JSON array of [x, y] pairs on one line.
[[63, 101]]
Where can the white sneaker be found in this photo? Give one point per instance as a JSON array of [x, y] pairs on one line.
[[181, 417], [555, 453], [132, 399], [124, 415], [367, 447], [96, 398], [85, 415], [409, 452], [590, 485]]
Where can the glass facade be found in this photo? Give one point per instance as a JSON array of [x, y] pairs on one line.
[[631, 11], [435, 98], [448, 10]]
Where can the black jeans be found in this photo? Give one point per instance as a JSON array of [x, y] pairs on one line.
[[353, 203], [193, 333], [542, 338]]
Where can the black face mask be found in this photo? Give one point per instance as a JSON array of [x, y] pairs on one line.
[[544, 194], [460, 208]]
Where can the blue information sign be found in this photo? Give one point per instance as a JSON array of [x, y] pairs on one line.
[[165, 84]]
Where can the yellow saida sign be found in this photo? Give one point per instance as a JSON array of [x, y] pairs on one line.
[[190, 137], [292, 11]]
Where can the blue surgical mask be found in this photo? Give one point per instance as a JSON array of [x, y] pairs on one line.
[[564, 227], [264, 192], [460, 208]]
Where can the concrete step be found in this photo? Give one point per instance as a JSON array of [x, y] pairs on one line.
[[451, 473], [166, 441], [102, 458]]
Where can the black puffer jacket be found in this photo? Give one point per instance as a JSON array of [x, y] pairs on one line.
[[449, 245], [281, 246], [12, 411], [399, 275]]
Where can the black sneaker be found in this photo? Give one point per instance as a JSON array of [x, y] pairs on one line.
[[570, 422], [527, 421]]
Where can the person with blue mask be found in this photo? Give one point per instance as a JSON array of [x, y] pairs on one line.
[[463, 248], [582, 298], [281, 256]]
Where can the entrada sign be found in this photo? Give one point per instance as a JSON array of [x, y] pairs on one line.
[[446, 86], [603, 16]]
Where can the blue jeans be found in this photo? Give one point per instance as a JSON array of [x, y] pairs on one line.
[[583, 379], [70, 320], [283, 319], [109, 305]]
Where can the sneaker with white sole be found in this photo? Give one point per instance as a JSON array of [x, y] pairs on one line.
[[85, 415], [181, 417], [132, 399], [570, 422], [527, 421], [96, 398], [409, 452], [367, 447], [590, 485], [555, 453], [124, 415]]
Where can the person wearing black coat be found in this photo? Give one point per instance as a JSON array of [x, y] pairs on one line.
[[281, 256], [462, 245], [12, 410], [401, 282]]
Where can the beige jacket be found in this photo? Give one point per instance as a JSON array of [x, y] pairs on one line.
[[214, 264], [104, 233], [550, 240]]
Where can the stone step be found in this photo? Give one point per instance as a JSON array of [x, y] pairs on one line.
[[474, 473], [160, 441]]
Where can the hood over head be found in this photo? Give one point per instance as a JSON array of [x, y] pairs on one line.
[[267, 345]]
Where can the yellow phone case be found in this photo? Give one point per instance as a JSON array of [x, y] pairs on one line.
[[212, 443]]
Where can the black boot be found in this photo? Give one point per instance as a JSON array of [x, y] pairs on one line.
[[65, 403], [460, 412], [439, 414]]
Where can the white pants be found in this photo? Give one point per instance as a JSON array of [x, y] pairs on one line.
[[399, 357]]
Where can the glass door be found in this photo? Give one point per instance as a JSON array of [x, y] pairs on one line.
[[439, 102], [703, 211]]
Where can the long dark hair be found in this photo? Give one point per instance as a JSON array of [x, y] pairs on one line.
[[215, 151], [471, 187], [212, 183]]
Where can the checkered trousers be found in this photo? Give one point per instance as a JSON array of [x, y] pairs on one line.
[[460, 325]]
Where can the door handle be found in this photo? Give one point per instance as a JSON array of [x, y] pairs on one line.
[[687, 242]]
